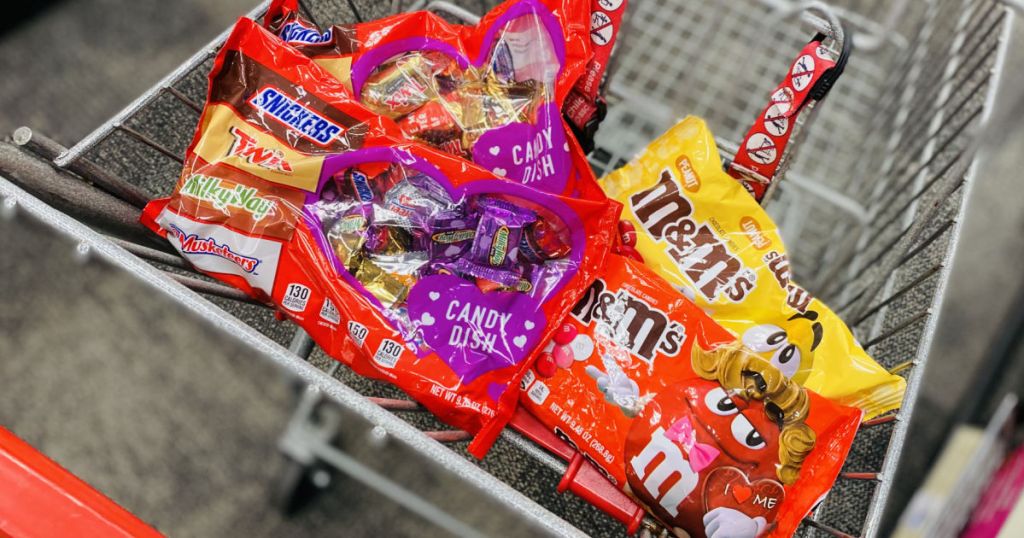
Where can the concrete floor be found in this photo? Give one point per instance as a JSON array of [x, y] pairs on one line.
[[194, 454], [108, 388]]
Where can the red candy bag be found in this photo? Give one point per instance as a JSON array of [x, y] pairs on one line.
[[406, 263], [712, 439], [491, 93]]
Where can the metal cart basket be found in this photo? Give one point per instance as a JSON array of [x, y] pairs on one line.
[[871, 211]]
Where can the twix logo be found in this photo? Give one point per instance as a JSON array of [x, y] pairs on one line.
[[634, 324], [246, 147], [666, 213]]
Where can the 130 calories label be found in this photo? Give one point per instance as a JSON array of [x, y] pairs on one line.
[[296, 297], [387, 353]]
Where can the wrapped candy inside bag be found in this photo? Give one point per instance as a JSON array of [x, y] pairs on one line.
[[410, 227], [440, 104], [490, 93], [399, 260]]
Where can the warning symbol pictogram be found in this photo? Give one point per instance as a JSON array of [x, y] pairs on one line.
[[775, 120], [761, 149], [802, 73], [610, 5], [601, 28], [783, 99]]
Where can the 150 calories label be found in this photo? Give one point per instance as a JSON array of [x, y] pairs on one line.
[[330, 313]]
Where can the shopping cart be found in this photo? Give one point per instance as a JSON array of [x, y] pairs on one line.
[[870, 209]]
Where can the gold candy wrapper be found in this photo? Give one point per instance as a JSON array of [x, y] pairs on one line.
[[389, 240], [400, 87], [386, 288], [347, 237], [404, 267], [488, 104]]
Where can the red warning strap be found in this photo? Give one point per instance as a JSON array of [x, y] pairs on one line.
[[765, 143]]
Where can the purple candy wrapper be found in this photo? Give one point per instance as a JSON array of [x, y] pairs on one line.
[[451, 236], [508, 278], [497, 236], [526, 215]]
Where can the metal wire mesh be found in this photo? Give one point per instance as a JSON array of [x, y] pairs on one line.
[[891, 147]]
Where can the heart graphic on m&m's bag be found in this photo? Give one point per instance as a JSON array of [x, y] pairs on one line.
[[729, 487]]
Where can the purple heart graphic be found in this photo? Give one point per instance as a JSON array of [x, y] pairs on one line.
[[472, 331], [536, 155]]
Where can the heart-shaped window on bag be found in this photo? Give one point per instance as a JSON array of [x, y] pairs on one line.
[[498, 111], [459, 271], [490, 93]]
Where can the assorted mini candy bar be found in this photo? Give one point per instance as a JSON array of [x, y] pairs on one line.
[[399, 260], [712, 439], [415, 229]]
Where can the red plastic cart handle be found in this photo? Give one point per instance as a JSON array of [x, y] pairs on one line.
[[581, 478], [762, 154], [40, 498]]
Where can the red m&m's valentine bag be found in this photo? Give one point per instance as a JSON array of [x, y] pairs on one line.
[[712, 439], [491, 93], [406, 263]]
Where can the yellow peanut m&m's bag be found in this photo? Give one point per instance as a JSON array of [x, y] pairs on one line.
[[699, 229]]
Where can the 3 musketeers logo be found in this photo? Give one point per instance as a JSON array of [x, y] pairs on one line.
[[193, 244]]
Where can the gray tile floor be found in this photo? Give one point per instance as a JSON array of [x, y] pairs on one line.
[[109, 390]]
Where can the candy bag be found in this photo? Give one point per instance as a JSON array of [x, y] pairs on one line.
[[490, 93], [399, 260], [699, 229], [712, 439]]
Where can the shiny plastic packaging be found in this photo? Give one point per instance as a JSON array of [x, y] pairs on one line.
[[295, 193], [491, 93], [698, 228], [712, 439]]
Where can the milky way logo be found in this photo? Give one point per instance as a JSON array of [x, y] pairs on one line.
[[193, 244], [246, 147], [223, 194]]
